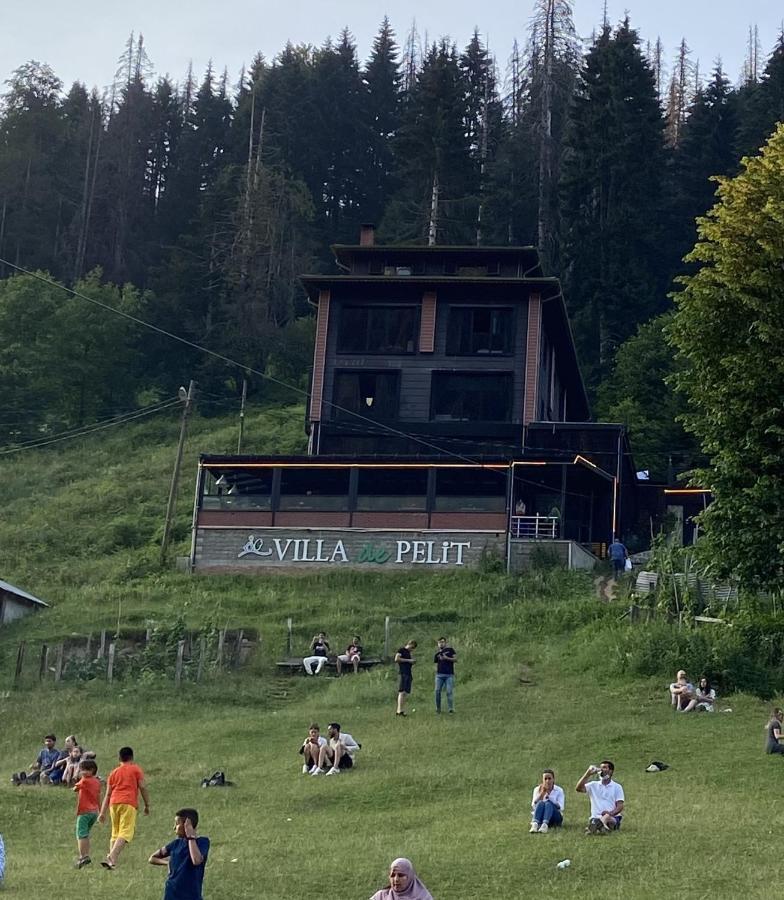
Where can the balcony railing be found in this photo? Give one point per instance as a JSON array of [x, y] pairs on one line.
[[535, 527]]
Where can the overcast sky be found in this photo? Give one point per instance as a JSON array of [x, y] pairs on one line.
[[83, 40]]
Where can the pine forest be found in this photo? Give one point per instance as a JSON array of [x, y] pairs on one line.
[[194, 205]]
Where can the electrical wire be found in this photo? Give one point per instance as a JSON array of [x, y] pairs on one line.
[[98, 426], [249, 369]]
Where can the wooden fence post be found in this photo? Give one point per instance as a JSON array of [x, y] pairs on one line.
[[110, 666], [58, 672], [89, 645], [221, 640], [290, 646], [386, 638], [202, 655], [20, 655], [42, 667], [102, 645], [238, 657], [178, 667]]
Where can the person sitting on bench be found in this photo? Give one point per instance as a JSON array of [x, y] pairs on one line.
[[339, 751], [352, 655], [319, 651]]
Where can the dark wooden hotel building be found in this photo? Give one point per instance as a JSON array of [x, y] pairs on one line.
[[447, 420]]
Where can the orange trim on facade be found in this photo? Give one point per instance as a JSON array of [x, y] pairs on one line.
[[427, 324], [532, 349], [319, 357]]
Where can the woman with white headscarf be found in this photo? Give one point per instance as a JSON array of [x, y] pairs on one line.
[[403, 884]]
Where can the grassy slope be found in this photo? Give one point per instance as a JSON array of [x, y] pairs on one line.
[[451, 792]]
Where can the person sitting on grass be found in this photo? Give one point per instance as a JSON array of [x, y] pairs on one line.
[[87, 808], [43, 769], [606, 798], [310, 749], [681, 691], [403, 883], [338, 752], [703, 699], [547, 804], [186, 857], [773, 732], [352, 655], [319, 652], [121, 799]]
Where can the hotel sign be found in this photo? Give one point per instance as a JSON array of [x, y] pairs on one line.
[[380, 551]]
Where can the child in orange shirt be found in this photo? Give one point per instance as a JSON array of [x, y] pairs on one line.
[[88, 787], [124, 784]]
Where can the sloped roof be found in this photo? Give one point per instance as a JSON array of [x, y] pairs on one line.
[[18, 592]]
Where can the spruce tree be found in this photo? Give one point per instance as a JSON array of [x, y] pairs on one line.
[[612, 200], [383, 85]]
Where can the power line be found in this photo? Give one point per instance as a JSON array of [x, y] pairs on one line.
[[245, 368], [99, 426]]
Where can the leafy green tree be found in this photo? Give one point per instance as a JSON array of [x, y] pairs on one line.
[[612, 180], [639, 393], [729, 331]]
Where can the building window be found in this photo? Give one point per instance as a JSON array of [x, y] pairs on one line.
[[471, 397], [471, 490], [314, 489], [373, 395], [479, 330], [396, 490], [378, 329]]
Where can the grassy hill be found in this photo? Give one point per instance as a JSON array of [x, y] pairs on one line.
[[538, 685]]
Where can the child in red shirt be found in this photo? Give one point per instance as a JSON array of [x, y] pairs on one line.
[[88, 787]]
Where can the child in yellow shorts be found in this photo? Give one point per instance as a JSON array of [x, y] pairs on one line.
[[124, 785]]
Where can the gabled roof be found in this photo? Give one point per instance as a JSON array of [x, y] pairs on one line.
[[18, 592]]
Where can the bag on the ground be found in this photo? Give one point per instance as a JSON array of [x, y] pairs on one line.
[[656, 766], [217, 779]]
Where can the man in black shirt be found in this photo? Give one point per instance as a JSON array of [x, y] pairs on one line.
[[445, 659], [404, 661]]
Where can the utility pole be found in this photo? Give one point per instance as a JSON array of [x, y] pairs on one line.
[[188, 398], [242, 414]]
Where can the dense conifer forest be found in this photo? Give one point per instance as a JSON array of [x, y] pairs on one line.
[[195, 204]]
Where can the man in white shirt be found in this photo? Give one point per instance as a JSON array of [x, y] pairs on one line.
[[547, 804], [339, 751], [606, 798]]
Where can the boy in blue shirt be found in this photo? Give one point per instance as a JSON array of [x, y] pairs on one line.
[[186, 858]]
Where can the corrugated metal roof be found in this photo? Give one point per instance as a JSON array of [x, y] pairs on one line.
[[5, 586]]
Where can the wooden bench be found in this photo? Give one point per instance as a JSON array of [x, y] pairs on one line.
[[294, 664]]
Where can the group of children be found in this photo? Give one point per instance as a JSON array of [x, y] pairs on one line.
[[185, 856]]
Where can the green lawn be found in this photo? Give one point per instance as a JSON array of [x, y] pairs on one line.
[[79, 526], [452, 793]]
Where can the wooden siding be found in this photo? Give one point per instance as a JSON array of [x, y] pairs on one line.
[[320, 356], [533, 339], [311, 519], [427, 323], [231, 517], [467, 521], [389, 520]]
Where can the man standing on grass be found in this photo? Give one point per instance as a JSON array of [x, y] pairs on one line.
[[606, 798], [404, 661], [121, 799], [445, 659]]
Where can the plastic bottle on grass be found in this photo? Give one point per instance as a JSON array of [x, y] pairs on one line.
[[564, 864]]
